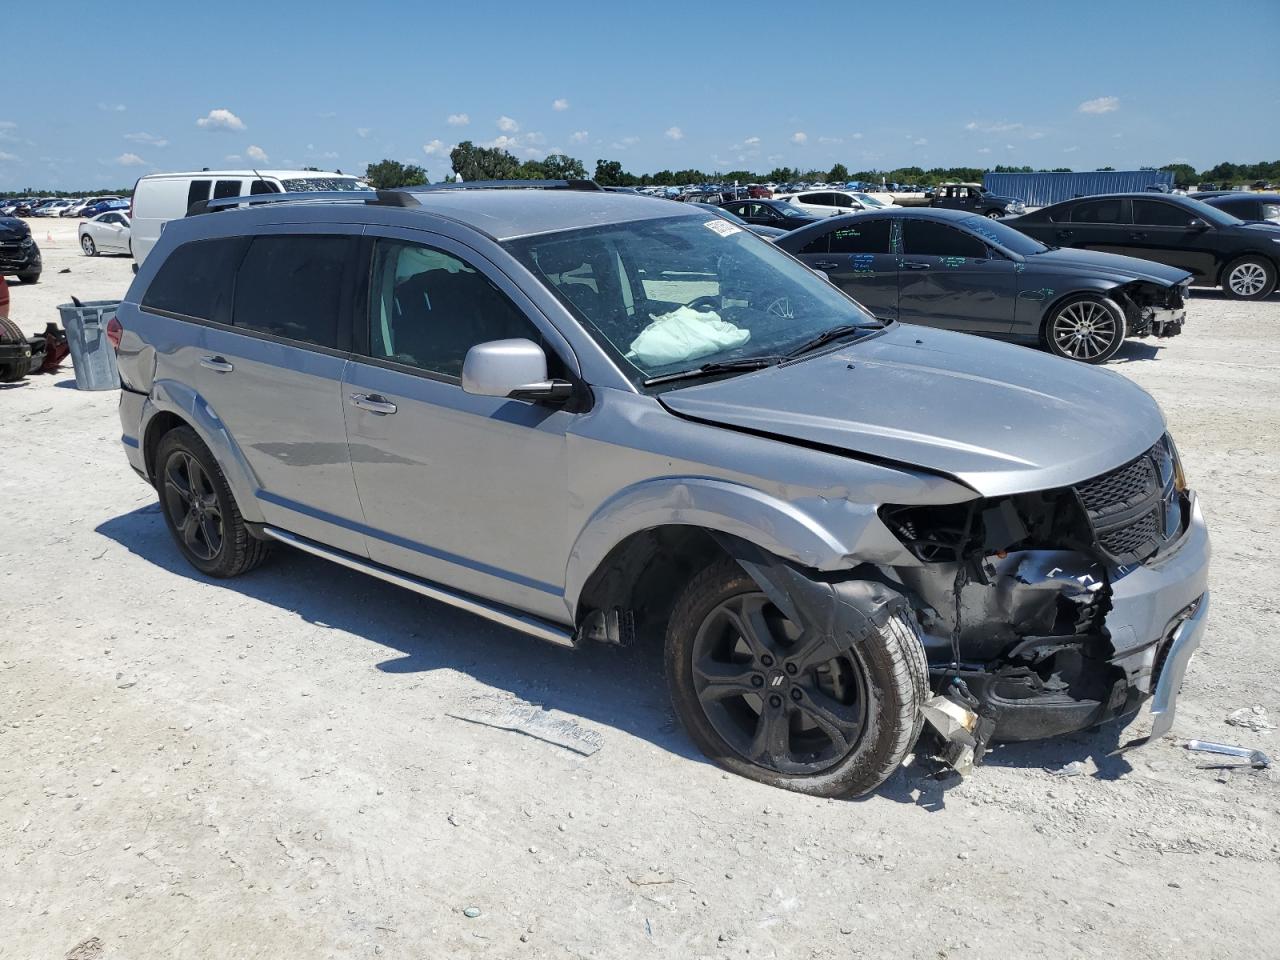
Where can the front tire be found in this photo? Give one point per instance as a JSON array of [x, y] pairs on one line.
[[794, 711], [88, 246], [199, 509], [1086, 328], [994, 214], [29, 277], [1249, 278]]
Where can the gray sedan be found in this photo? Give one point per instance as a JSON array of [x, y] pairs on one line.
[[960, 271]]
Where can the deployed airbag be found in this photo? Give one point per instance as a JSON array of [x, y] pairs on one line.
[[685, 334]]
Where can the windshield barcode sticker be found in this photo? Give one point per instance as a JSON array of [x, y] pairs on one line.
[[722, 227]]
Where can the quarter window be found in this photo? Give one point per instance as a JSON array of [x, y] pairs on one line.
[[226, 188], [198, 190], [930, 239], [428, 308], [861, 236], [196, 280], [819, 244], [291, 287]]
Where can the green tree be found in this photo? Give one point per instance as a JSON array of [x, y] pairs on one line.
[[560, 167], [609, 173], [392, 173], [838, 173], [1184, 175], [483, 163]]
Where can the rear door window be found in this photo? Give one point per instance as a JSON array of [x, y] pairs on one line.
[[196, 280], [819, 244], [929, 239], [226, 188], [198, 190], [861, 236], [262, 186], [1105, 210], [292, 287]]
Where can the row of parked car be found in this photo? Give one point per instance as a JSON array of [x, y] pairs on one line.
[[59, 206]]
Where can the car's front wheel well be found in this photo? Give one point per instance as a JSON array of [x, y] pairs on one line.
[[631, 594]]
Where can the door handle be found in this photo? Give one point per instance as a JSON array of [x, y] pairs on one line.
[[1137, 236], [1065, 234], [219, 364], [826, 265], [915, 265], [374, 403]]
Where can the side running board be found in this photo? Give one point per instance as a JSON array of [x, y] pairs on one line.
[[525, 623]]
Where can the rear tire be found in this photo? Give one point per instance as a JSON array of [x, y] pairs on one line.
[[1086, 328], [29, 277], [1249, 278], [199, 509], [843, 724]]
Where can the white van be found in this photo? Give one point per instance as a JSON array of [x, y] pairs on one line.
[[161, 197]]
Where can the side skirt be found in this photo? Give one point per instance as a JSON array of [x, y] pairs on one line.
[[525, 623]]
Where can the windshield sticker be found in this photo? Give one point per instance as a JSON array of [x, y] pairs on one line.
[[722, 227]]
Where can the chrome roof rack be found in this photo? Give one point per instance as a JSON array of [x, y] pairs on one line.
[[384, 198]]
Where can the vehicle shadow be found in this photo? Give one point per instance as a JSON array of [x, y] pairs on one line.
[[622, 688], [1207, 293], [1133, 350]]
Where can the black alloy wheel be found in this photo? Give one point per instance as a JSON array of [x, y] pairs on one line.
[[191, 503]]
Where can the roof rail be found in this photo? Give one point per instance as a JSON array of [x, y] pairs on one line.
[[385, 198], [588, 185]]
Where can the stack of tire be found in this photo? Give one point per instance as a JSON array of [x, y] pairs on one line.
[[16, 352]]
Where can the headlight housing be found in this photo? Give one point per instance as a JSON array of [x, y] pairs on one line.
[[27, 241]]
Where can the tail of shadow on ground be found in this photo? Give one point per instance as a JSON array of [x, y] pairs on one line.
[[618, 688]]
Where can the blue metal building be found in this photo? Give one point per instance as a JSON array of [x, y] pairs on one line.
[[1042, 189]]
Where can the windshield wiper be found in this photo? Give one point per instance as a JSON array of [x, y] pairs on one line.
[[720, 366], [827, 336]]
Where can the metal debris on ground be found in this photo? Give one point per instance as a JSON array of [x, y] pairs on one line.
[[534, 721], [1257, 759], [1075, 768], [1251, 718], [471, 912]]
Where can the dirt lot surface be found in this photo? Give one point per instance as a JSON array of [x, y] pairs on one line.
[[274, 766]]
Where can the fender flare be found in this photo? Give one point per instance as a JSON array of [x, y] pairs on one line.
[[718, 506], [170, 396]]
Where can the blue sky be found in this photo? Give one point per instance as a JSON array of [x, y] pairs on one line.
[[154, 86]]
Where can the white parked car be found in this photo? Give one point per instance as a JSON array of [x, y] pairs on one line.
[[161, 197], [51, 209], [106, 233], [827, 203]]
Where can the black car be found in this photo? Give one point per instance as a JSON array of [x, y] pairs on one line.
[[1257, 207], [964, 271], [1218, 249], [770, 213], [769, 233], [19, 255]]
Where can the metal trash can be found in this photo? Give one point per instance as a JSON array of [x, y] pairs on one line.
[[91, 352]]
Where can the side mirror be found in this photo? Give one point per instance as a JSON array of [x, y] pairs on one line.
[[511, 368], [1195, 223]]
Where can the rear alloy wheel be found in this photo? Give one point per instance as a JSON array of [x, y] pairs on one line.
[[88, 246], [1249, 278], [1089, 329], [790, 708]]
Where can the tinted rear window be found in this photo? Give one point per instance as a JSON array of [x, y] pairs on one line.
[[861, 236], [291, 286], [226, 188], [1106, 210], [196, 279], [930, 239], [197, 191]]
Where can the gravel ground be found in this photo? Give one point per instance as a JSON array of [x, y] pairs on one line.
[[273, 766]]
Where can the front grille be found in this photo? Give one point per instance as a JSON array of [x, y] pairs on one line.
[[1134, 510]]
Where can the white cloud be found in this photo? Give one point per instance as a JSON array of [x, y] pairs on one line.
[[674, 133], [220, 119], [435, 148], [1038, 135], [560, 104], [503, 142], [507, 125], [7, 156], [624, 143], [363, 132], [1116, 136], [255, 152], [1070, 149], [798, 137], [130, 160], [999, 126], [831, 140], [327, 115], [232, 158], [855, 136], [112, 107], [534, 136], [1010, 146], [458, 120], [1100, 105], [984, 149], [752, 141], [579, 136], [148, 138], [920, 141], [7, 124]]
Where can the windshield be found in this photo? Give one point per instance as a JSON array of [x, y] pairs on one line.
[[670, 295], [1212, 214], [323, 184], [1012, 240]]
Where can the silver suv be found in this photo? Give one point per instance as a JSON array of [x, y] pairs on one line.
[[602, 417]]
